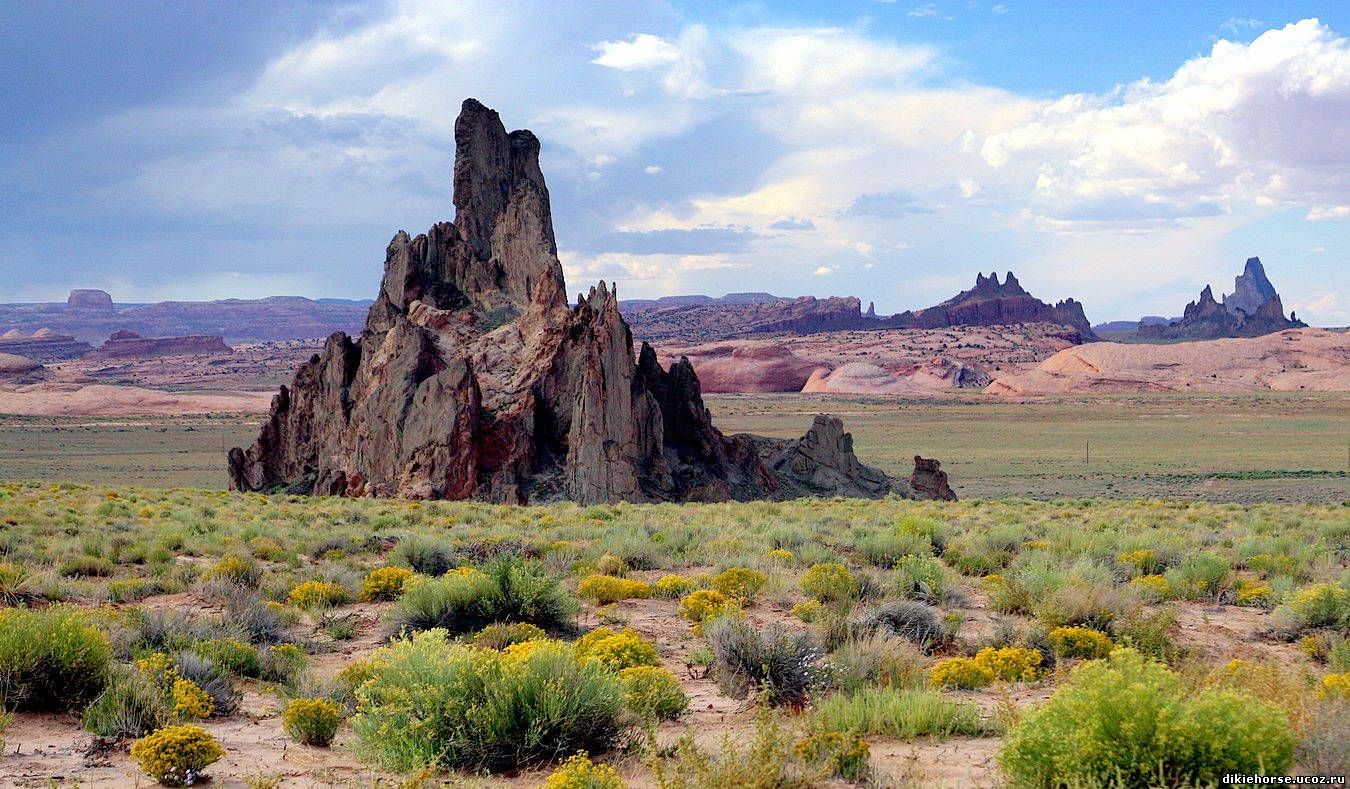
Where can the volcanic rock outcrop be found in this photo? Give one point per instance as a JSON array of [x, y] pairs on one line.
[[1253, 309], [994, 303], [474, 378]]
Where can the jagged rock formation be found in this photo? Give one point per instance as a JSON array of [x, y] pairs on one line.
[[991, 303], [92, 300], [1251, 310], [929, 481], [125, 344], [43, 345], [474, 378]]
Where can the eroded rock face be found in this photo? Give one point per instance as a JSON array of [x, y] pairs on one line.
[[474, 378], [92, 300], [929, 481], [1253, 309]]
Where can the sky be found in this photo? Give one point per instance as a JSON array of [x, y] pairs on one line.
[[1124, 154]]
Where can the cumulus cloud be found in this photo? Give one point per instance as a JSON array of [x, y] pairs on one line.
[[886, 205], [674, 241], [822, 271], [1263, 121], [793, 223], [644, 51]]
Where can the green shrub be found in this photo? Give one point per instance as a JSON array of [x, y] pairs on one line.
[[1128, 721], [86, 567], [425, 556], [284, 663], [430, 703], [466, 599], [312, 721], [739, 583], [52, 659], [829, 582], [1080, 642], [874, 659], [232, 655], [886, 548], [504, 635], [652, 692], [130, 706], [236, 570], [768, 759], [176, 755], [1319, 605], [1149, 633], [895, 712], [1199, 576], [921, 578], [776, 663]]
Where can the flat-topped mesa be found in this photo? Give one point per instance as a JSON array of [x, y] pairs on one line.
[[474, 378]]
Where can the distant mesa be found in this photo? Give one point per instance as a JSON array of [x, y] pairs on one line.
[[991, 303], [90, 300], [126, 344], [1253, 309], [43, 345]]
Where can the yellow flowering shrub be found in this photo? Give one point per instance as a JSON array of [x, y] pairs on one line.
[[738, 583], [1143, 561], [828, 582], [845, 753], [617, 651], [1335, 686], [653, 692], [579, 772], [384, 583], [1253, 593], [700, 606], [176, 755], [1080, 642], [1152, 587], [159, 668], [669, 587], [190, 701], [311, 721], [962, 673], [606, 589], [1011, 664], [809, 611], [780, 556], [312, 595], [236, 569]]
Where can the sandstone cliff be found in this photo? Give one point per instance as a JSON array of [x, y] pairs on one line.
[[474, 377], [124, 344]]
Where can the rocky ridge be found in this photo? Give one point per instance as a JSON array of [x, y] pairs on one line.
[[473, 377], [125, 344]]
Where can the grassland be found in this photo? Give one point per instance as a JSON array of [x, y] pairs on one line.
[[1242, 448], [1194, 586]]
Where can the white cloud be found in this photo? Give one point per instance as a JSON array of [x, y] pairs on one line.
[[651, 169], [822, 271], [928, 11], [644, 51], [1247, 122], [1320, 213]]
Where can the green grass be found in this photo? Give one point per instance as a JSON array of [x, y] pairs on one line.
[[900, 713], [1244, 448]]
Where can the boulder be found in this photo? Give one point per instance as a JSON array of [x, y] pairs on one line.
[[929, 481]]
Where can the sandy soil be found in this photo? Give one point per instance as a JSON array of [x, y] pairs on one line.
[[79, 399]]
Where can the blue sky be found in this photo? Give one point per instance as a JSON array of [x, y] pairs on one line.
[[1123, 154]]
